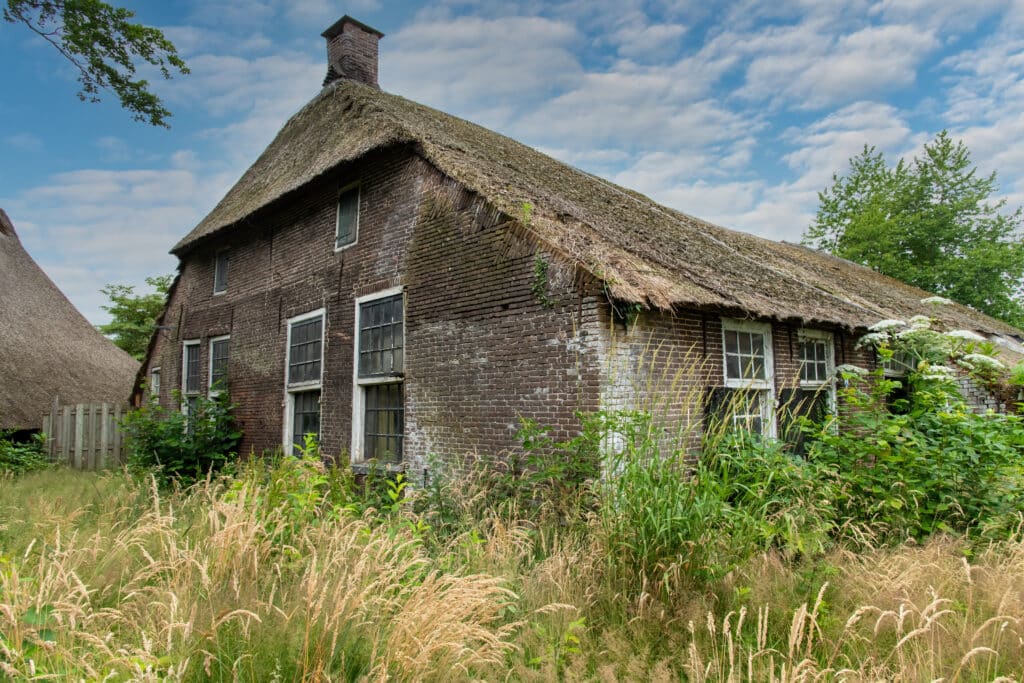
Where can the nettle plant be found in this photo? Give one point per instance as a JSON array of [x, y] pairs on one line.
[[912, 458]]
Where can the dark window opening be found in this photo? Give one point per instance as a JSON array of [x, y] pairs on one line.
[[348, 218], [218, 364], [381, 338], [305, 416], [383, 422], [220, 273], [305, 351]]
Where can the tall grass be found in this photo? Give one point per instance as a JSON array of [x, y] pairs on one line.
[[117, 581]]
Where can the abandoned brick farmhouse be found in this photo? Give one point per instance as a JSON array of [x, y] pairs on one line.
[[404, 283]]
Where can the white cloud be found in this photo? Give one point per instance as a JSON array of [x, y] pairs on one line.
[[26, 142]]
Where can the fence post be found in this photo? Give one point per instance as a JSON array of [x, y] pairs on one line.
[[116, 455], [65, 438], [101, 461], [79, 433]]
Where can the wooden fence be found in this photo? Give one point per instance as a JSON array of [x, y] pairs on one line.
[[84, 436]]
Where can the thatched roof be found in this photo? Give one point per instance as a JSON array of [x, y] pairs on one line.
[[644, 253], [47, 348]]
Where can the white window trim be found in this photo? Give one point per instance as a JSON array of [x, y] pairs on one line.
[[216, 258], [830, 363], [357, 186], [299, 387], [210, 391], [152, 372], [185, 395], [358, 396], [768, 383]]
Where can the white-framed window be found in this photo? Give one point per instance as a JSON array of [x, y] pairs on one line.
[[218, 377], [154, 383], [191, 375], [378, 391], [817, 361], [749, 368], [220, 272], [814, 397], [346, 231], [303, 379]]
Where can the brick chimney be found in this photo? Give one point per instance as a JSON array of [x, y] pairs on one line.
[[352, 51]]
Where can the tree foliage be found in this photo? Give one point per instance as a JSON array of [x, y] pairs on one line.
[[930, 222], [133, 317], [103, 44]]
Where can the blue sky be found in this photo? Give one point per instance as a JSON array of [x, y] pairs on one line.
[[735, 112]]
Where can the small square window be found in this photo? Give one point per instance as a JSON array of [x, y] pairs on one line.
[[348, 218], [220, 273]]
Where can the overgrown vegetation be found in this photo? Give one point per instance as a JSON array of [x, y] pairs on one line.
[[17, 457], [182, 447], [891, 550]]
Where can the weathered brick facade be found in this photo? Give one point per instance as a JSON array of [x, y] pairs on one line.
[[496, 330], [503, 319]]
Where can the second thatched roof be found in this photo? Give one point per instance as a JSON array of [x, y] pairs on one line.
[[47, 348], [645, 253]]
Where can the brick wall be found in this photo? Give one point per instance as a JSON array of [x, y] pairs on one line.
[[483, 349], [496, 329]]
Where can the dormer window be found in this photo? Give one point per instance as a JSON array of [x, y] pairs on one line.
[[348, 218], [220, 272]]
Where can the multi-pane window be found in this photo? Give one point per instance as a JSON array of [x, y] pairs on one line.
[[815, 397], [379, 406], [749, 377], [304, 376], [815, 359], [191, 373], [154, 383], [218, 364], [348, 218], [305, 415], [380, 337], [305, 350], [745, 351], [382, 427], [220, 273]]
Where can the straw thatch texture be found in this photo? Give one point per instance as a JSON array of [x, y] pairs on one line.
[[645, 253], [47, 348]]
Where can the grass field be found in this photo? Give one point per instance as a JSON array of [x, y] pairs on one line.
[[269, 576]]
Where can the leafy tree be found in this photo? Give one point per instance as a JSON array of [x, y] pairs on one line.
[[134, 316], [929, 222], [103, 44]]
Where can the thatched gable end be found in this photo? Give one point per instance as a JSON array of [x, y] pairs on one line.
[[47, 348], [645, 253]]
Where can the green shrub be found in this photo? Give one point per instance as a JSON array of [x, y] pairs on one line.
[[933, 467], [670, 518], [17, 458], [181, 448]]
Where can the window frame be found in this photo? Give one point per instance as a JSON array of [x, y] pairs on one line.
[[293, 388], [806, 333], [766, 385], [222, 253], [211, 392], [357, 186], [154, 387], [358, 383], [186, 394]]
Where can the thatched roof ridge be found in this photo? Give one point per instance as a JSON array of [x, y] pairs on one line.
[[47, 348], [645, 253]]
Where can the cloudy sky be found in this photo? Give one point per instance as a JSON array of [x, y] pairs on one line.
[[735, 112]]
